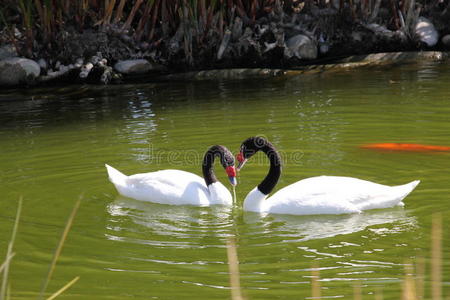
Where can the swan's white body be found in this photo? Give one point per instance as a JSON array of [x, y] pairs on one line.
[[328, 195], [173, 187]]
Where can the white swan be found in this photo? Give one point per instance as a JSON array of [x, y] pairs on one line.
[[315, 195], [178, 187]]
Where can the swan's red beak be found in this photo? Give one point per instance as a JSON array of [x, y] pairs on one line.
[[241, 160], [231, 172]]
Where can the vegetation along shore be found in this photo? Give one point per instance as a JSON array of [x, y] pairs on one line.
[[44, 41]]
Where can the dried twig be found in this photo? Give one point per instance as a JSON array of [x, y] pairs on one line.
[[9, 253], [59, 247], [233, 267], [436, 256]]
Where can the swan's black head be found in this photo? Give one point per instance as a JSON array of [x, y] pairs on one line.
[[226, 160], [249, 147]]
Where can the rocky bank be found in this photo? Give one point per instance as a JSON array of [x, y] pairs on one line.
[[294, 39]]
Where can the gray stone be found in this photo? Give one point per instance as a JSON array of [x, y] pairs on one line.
[[79, 62], [18, 70], [63, 68], [7, 51], [446, 40], [425, 32], [379, 30], [95, 59], [357, 36], [301, 46], [324, 46], [135, 66], [42, 63]]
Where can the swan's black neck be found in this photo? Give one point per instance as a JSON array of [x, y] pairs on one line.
[[271, 179], [208, 162]]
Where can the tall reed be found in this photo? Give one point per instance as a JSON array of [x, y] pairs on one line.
[[59, 247], [5, 290], [436, 257], [155, 20], [315, 281], [233, 267], [9, 253], [413, 284]]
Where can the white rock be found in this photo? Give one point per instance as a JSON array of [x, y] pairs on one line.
[[301, 46], [18, 70], [134, 66], [85, 70], [425, 32]]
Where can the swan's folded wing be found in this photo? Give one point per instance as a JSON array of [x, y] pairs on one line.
[[312, 204], [337, 195], [375, 196], [316, 195], [168, 187]]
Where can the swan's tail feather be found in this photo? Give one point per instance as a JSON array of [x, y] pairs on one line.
[[400, 192], [116, 177], [389, 196], [405, 189]]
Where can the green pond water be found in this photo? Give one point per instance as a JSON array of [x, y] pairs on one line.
[[54, 143]]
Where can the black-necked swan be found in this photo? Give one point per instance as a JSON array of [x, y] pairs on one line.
[[178, 187], [315, 195]]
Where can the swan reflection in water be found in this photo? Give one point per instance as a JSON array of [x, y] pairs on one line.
[[185, 222], [291, 228], [190, 223]]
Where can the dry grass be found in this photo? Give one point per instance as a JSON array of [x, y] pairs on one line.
[[61, 290], [59, 247], [5, 291], [357, 291], [233, 267], [436, 257], [409, 288], [413, 285], [10, 254], [154, 20], [315, 282], [420, 277]]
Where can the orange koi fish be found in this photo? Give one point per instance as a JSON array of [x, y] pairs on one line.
[[406, 147]]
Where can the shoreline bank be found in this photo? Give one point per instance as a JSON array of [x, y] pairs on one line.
[[70, 75], [119, 41]]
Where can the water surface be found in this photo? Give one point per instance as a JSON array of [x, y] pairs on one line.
[[55, 141]]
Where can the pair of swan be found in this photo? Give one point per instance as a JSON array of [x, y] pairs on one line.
[[315, 195]]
